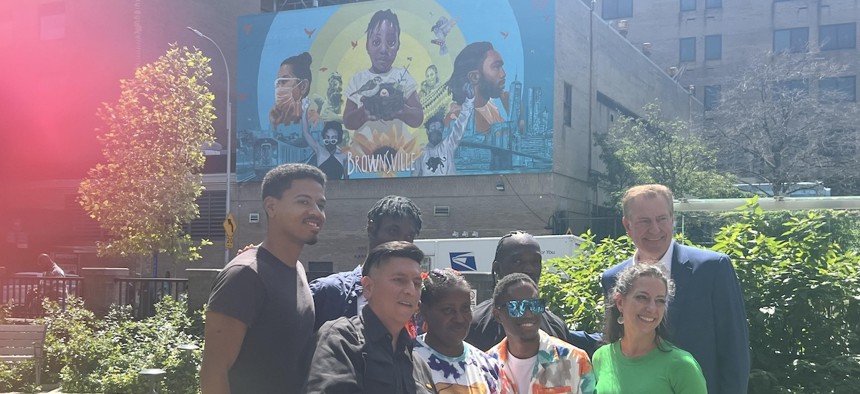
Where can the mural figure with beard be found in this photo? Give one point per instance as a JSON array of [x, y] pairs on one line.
[[482, 66]]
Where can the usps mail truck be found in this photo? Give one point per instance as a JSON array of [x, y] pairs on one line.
[[476, 254]]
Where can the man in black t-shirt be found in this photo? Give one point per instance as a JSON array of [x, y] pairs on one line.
[[260, 316]]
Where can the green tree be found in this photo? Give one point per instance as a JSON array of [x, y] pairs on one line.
[[145, 191], [653, 149], [787, 118]]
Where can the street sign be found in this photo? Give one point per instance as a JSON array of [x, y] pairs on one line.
[[230, 225], [569, 231], [229, 244]]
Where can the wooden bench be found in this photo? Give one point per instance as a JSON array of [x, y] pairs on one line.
[[23, 342]]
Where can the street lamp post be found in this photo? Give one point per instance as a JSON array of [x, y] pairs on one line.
[[229, 129]]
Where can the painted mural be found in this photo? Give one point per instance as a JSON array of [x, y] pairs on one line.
[[397, 89]]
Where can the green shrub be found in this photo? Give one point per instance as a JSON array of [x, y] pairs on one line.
[[106, 355], [802, 297], [571, 285], [18, 376], [801, 292]]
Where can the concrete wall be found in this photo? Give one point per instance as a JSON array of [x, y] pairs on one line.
[[473, 201], [621, 73]]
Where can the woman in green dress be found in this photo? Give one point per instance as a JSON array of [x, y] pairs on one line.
[[638, 357]]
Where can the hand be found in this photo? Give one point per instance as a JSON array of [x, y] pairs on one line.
[[247, 248], [370, 117], [469, 90]]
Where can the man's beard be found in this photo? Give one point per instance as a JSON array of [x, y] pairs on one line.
[[489, 89]]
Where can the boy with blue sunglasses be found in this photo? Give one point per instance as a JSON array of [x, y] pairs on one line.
[[532, 361]]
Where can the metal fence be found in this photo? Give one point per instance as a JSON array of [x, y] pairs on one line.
[[23, 295], [143, 293]]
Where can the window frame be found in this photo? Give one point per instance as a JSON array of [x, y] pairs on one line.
[[791, 40], [612, 9], [712, 97], [690, 41], [837, 86], [690, 5], [828, 45], [710, 48], [568, 104]]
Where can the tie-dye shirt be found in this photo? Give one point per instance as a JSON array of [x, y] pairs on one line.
[[560, 368], [474, 372]]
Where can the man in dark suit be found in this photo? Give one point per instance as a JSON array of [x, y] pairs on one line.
[[707, 315]]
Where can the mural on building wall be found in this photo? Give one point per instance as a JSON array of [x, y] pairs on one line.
[[398, 88]]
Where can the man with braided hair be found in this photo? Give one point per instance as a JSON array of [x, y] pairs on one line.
[[520, 252], [392, 218]]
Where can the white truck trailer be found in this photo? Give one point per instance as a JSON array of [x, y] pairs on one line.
[[476, 254]]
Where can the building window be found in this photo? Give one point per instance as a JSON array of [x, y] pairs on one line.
[[841, 36], [688, 49], [568, 103], [209, 224], [713, 3], [837, 89], [790, 87], [688, 5], [712, 96], [52, 21], [713, 47], [791, 40], [614, 9]]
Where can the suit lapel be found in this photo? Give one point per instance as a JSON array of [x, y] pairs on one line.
[[682, 271]]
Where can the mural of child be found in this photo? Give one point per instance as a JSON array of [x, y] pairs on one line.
[[330, 107], [434, 95], [291, 86], [384, 98], [437, 157]]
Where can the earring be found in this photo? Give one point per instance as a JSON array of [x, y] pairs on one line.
[[620, 319]]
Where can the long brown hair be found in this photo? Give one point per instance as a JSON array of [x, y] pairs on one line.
[[612, 331]]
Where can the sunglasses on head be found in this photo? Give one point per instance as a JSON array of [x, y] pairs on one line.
[[518, 308]]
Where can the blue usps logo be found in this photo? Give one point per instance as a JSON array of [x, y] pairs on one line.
[[463, 261]]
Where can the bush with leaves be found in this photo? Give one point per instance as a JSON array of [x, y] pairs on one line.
[[802, 296], [801, 292], [106, 355], [571, 285]]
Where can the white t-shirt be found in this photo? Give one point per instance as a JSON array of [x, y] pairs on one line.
[[439, 159], [521, 370]]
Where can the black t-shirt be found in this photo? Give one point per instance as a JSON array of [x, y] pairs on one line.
[[274, 301]]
